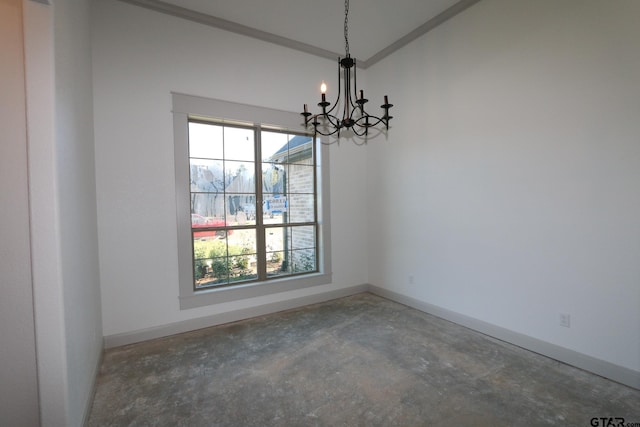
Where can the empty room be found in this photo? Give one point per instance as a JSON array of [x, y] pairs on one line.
[[293, 213]]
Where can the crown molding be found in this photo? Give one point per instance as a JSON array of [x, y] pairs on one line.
[[234, 27], [423, 29]]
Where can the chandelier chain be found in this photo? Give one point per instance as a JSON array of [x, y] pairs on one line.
[[353, 118], [346, 27]]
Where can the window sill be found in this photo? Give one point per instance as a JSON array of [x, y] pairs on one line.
[[204, 297]]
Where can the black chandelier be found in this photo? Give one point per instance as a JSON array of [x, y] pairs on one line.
[[354, 116]]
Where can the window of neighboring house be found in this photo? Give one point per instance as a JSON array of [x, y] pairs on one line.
[[251, 202]]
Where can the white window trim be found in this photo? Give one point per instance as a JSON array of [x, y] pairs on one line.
[[189, 106]]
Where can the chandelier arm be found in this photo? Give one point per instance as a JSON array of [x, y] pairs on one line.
[[369, 124], [361, 133], [355, 85], [339, 89], [333, 107], [334, 122], [336, 130], [347, 93]]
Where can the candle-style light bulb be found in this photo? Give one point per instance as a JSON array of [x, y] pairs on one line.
[[323, 92]]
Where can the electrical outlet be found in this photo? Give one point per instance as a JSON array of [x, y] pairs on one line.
[[565, 320], [411, 280]]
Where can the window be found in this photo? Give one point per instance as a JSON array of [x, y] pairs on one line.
[[251, 202], [251, 220]]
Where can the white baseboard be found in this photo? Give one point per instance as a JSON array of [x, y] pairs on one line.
[[600, 367], [118, 340]]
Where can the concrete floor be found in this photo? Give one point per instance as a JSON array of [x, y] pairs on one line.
[[356, 361]]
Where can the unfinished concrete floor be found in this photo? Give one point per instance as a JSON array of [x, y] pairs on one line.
[[356, 361]]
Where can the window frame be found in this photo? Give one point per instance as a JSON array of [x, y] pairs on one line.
[[186, 107]]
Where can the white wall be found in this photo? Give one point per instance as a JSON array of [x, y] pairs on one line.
[[139, 58], [62, 208], [512, 175], [77, 200], [18, 378]]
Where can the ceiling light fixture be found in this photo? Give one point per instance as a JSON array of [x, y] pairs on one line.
[[354, 117]]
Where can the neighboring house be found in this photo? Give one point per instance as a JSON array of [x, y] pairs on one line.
[[298, 186]]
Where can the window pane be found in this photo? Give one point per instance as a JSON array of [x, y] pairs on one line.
[[238, 143], [210, 261], [241, 209], [284, 148], [242, 268], [303, 237], [275, 209], [278, 264], [206, 175], [242, 242], [210, 272], [248, 209], [276, 238], [227, 258], [301, 150], [290, 250], [204, 228], [274, 146], [209, 205], [205, 141], [301, 179], [242, 255], [303, 260], [301, 208], [240, 177], [273, 178]]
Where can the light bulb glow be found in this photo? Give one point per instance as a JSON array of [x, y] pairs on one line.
[[323, 87]]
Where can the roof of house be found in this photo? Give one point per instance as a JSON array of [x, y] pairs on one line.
[[294, 142]]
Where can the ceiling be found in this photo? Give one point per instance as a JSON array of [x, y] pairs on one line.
[[376, 27]]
